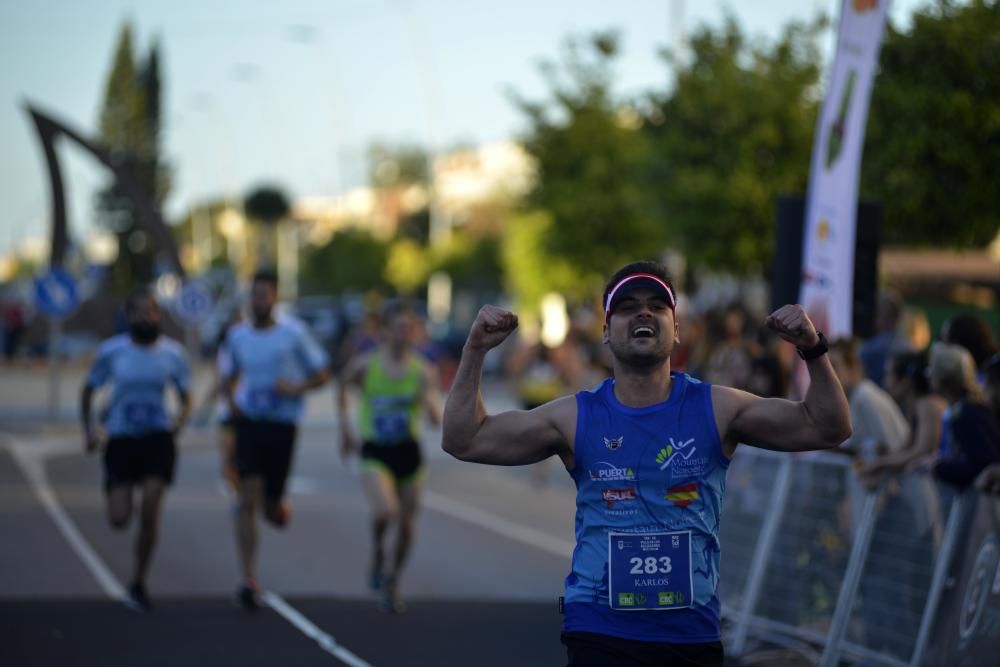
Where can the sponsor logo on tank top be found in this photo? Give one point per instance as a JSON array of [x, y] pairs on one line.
[[609, 472], [614, 443], [613, 496], [679, 456]]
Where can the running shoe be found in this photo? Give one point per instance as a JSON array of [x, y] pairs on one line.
[[283, 515], [375, 578], [390, 602], [138, 599], [248, 596]]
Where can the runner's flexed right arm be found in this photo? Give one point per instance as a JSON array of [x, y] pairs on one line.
[[516, 437]]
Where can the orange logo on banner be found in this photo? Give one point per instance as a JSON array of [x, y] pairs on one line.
[[823, 229], [862, 6]]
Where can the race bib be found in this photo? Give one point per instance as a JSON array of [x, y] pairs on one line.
[[262, 400], [650, 571], [392, 426], [141, 414]]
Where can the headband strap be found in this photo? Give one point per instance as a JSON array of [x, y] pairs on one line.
[[639, 276]]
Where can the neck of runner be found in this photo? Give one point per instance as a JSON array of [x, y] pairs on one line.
[[641, 389]]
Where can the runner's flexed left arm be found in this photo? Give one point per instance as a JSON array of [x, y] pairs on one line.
[[821, 420]]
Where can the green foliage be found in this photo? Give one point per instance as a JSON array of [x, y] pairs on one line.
[[734, 133], [471, 262], [129, 125], [531, 271], [123, 116], [407, 266], [932, 150], [591, 160], [353, 260]]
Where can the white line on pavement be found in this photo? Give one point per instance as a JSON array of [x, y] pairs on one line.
[[309, 629], [30, 459], [498, 525]]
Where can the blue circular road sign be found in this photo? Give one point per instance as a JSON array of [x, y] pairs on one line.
[[56, 293], [194, 302]]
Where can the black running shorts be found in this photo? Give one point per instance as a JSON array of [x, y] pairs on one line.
[[129, 460], [586, 649], [264, 449], [402, 460]]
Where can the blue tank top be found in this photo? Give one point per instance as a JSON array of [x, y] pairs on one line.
[[641, 470]]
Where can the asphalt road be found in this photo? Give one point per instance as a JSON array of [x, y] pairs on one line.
[[481, 586]]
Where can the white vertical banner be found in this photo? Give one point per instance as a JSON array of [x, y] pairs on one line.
[[827, 290]]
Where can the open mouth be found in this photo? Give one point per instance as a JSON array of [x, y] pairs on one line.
[[643, 331]]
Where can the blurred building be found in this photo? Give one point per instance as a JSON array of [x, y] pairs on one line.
[[472, 184]]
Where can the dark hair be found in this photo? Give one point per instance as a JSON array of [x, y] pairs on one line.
[[137, 295], [912, 366], [647, 266], [973, 333], [266, 275]]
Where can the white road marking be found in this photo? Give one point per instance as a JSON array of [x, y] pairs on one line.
[[499, 525], [309, 629], [30, 459]]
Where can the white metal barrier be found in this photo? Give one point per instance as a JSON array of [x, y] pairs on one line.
[[814, 562]]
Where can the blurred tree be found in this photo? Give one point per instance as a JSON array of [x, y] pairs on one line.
[[415, 225], [592, 192], [267, 205], [733, 133], [932, 151], [472, 261], [130, 126], [529, 271], [407, 266], [353, 260]]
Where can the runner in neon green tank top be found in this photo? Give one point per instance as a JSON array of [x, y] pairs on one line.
[[390, 407], [396, 385]]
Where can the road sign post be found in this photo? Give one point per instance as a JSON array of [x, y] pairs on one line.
[[56, 297], [193, 305]]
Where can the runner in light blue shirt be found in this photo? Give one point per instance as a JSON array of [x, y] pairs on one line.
[[138, 367], [268, 366]]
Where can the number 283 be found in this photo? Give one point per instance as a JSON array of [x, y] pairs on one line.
[[650, 565]]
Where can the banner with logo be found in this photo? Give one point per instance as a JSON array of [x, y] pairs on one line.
[[828, 240]]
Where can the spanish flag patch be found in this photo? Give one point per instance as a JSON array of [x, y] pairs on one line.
[[683, 495]]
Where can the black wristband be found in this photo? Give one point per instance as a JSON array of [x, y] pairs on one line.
[[816, 351]]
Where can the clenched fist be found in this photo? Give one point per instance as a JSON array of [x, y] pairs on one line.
[[792, 324], [492, 326]]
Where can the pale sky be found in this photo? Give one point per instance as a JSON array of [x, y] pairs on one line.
[[293, 92]]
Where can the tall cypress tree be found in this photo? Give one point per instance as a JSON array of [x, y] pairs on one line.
[[130, 125]]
